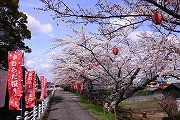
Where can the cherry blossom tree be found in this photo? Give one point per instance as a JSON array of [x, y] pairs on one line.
[[111, 17], [169, 105], [146, 50], [138, 62], [104, 11]]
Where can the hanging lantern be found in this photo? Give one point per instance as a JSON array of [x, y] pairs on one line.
[[157, 18], [115, 51], [96, 63], [82, 72], [89, 67]]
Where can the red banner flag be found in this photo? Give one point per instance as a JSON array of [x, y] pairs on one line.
[[14, 79], [42, 82], [75, 86], [30, 83], [81, 86], [45, 87]]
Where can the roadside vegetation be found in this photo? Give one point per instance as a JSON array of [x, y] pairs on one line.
[[140, 103], [150, 107], [95, 110]]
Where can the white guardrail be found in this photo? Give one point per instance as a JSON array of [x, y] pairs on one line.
[[37, 111]]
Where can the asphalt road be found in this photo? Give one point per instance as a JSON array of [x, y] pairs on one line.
[[66, 107]]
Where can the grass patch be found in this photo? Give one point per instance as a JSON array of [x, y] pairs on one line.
[[95, 110], [44, 116]]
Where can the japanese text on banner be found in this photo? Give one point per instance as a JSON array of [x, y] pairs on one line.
[[14, 79], [42, 82], [30, 83]]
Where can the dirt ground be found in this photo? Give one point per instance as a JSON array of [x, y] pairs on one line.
[[150, 107]]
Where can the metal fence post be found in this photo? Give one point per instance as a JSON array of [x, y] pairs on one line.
[[39, 111], [18, 117], [42, 107], [34, 113], [26, 115]]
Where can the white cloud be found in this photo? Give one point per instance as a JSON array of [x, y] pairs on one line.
[[135, 35], [121, 22], [37, 28], [44, 66], [40, 66]]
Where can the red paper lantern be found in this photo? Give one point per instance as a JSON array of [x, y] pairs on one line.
[[96, 63], [157, 18], [82, 72], [115, 51], [89, 67]]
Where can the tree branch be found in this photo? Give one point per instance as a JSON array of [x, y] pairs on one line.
[[164, 9]]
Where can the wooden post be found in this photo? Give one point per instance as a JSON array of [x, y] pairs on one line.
[[115, 115], [144, 115], [104, 109], [130, 113]]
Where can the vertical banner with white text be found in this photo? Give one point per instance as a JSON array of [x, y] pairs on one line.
[[30, 83], [14, 79], [42, 81], [45, 87]]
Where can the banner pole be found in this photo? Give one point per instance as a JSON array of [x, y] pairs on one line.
[[23, 70]]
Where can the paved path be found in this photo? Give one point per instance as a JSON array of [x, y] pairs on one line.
[[65, 107]]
